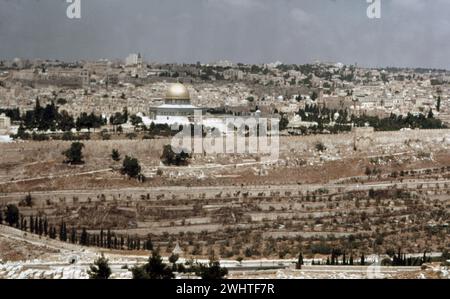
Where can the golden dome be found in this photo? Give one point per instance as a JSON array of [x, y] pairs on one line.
[[177, 91]]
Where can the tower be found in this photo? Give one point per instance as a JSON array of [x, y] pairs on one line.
[[320, 101], [139, 61]]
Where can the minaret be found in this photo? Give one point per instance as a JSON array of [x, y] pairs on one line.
[[139, 61], [320, 98]]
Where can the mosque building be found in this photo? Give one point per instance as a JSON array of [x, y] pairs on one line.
[[178, 110], [177, 107], [5, 128]]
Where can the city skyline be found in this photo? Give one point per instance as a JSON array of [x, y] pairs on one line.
[[254, 31]]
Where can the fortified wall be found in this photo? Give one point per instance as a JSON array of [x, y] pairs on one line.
[[363, 140], [149, 151], [28, 151]]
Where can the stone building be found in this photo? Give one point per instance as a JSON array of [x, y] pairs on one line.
[[5, 124], [177, 107]]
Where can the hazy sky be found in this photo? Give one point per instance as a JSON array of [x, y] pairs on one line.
[[409, 33]]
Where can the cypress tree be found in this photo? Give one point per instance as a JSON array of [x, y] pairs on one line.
[[36, 225], [46, 226], [52, 232], [88, 238], [25, 225], [21, 222], [149, 245], [108, 239], [101, 238], [300, 261], [84, 237], [40, 227], [31, 224], [73, 236], [63, 232]]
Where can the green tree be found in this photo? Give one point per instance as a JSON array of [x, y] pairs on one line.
[[320, 147], [213, 271], [119, 118], [135, 120], [100, 269], [108, 239], [139, 273], [68, 136], [300, 261], [46, 226], [284, 122], [74, 154], [31, 224], [173, 260], [115, 155], [148, 244], [21, 133], [40, 227], [27, 201], [73, 235], [85, 121], [52, 232], [12, 215], [154, 269], [169, 157], [131, 167], [65, 122], [84, 237], [62, 231]]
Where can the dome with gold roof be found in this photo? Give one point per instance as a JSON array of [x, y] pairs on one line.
[[177, 107], [177, 91]]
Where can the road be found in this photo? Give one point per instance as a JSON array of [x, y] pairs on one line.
[[183, 190]]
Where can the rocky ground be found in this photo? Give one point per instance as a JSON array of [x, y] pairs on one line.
[[234, 205], [25, 256]]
